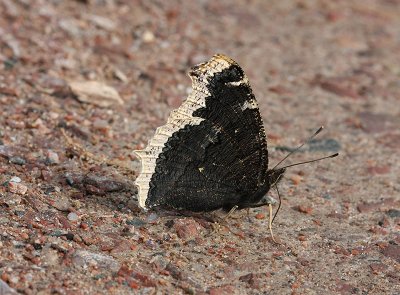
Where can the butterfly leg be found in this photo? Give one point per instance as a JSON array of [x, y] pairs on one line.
[[248, 215], [270, 222], [230, 212], [267, 202], [217, 225]]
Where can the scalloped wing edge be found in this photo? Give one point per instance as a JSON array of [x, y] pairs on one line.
[[177, 120]]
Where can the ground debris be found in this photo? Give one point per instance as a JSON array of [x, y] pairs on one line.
[[96, 93]]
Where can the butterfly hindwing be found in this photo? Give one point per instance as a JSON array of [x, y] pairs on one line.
[[212, 152]]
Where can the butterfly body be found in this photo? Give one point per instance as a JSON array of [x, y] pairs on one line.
[[212, 153]]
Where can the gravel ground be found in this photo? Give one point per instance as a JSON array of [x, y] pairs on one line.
[[69, 221]]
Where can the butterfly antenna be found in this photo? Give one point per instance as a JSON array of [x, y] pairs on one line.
[[315, 160], [300, 146]]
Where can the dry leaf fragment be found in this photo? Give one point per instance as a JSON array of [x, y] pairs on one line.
[[95, 93]]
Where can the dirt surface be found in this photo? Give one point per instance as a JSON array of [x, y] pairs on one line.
[[69, 221]]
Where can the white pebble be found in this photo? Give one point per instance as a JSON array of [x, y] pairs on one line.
[[15, 179], [72, 216]]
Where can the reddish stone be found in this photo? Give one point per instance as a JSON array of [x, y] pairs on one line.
[[393, 277], [260, 216], [370, 207], [277, 254], [296, 179], [132, 284], [46, 174], [240, 234], [303, 262], [304, 209], [274, 137], [64, 221], [230, 249], [334, 16], [16, 123], [223, 290], [175, 272], [91, 189], [17, 188], [391, 140], [339, 89], [389, 202], [378, 230], [377, 122], [302, 237], [382, 245], [250, 279], [384, 222], [229, 271], [341, 250], [187, 228], [8, 91], [344, 288], [124, 271], [84, 226], [24, 236], [145, 280], [317, 222], [295, 285], [120, 280], [377, 170], [36, 260], [367, 207], [377, 267], [279, 89], [106, 246], [392, 251], [121, 247]]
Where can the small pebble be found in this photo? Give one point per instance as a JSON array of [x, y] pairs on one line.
[[17, 160], [100, 124], [72, 216], [151, 218], [150, 243], [327, 196], [15, 179], [83, 258], [17, 188], [148, 37], [50, 257], [302, 237], [62, 203], [393, 213], [52, 158], [304, 209], [136, 222], [260, 216], [296, 179], [187, 228]]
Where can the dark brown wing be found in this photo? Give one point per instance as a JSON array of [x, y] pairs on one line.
[[219, 156]]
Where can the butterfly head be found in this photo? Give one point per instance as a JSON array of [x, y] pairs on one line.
[[274, 176], [260, 197]]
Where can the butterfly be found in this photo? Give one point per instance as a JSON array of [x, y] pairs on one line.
[[212, 152]]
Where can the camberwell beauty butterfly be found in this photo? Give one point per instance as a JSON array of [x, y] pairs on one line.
[[212, 153]]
